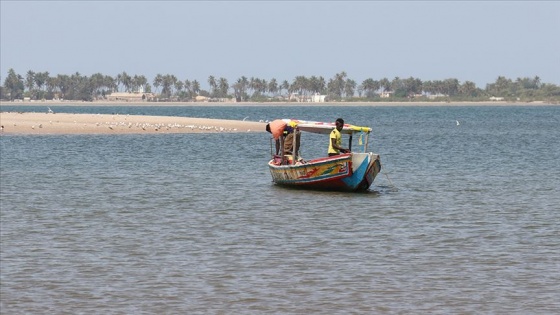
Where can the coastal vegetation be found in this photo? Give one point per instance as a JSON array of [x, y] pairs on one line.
[[78, 87]]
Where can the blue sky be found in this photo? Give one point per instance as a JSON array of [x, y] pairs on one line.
[[430, 40]]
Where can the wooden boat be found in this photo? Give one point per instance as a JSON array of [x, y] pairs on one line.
[[353, 171]]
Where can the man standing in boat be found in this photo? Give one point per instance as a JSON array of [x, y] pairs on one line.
[[281, 128], [335, 143]]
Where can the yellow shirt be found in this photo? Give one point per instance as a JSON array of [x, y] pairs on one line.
[[335, 134]]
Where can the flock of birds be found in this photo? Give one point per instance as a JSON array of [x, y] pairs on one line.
[[147, 126], [154, 127], [167, 127], [162, 126]]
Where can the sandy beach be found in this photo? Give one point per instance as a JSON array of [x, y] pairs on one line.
[[60, 123]]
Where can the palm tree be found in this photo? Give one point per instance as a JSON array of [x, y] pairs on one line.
[[52, 85], [14, 85], [110, 83], [195, 87], [30, 81], [140, 81], [80, 88], [499, 87], [451, 86], [317, 84], [126, 81], [370, 86], [240, 88], [412, 86], [188, 88], [64, 84], [273, 86], [300, 85], [396, 84], [97, 83], [349, 88], [385, 85], [428, 87], [537, 82], [179, 85], [263, 86], [237, 90], [118, 81], [259, 86], [213, 85], [158, 81], [468, 89], [168, 85], [244, 85], [253, 84], [336, 84], [284, 86], [41, 79], [223, 87]]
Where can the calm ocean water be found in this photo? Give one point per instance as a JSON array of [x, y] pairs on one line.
[[463, 218]]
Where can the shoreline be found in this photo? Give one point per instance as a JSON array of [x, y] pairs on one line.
[[372, 104], [62, 123]]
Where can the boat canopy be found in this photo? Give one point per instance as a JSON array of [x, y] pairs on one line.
[[326, 127]]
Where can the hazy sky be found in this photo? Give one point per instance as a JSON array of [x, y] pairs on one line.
[[430, 40]]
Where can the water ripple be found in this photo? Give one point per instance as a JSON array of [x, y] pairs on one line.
[[464, 221]]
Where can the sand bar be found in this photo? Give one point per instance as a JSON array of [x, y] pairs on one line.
[[61, 123]]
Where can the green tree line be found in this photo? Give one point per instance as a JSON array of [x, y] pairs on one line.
[[43, 86]]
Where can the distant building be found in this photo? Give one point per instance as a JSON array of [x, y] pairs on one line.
[[318, 98], [315, 98], [129, 97], [385, 94], [437, 95]]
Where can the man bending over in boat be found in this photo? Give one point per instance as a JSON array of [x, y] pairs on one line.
[[336, 139], [279, 128]]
